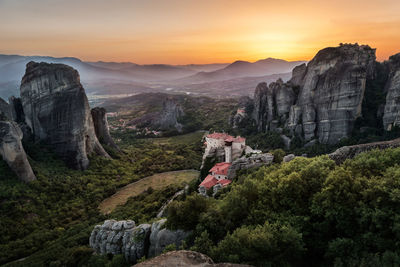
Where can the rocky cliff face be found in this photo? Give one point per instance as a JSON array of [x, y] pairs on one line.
[[5, 110], [272, 104], [134, 242], [391, 115], [12, 151], [323, 99], [57, 111], [101, 127], [17, 111], [169, 116]]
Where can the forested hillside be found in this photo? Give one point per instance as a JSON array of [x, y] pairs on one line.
[[53, 216], [307, 212]]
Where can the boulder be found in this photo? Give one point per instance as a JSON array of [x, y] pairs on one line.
[[247, 162], [288, 158], [12, 151], [101, 129], [57, 111]]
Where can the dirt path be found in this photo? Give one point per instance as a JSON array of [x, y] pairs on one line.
[[156, 181]]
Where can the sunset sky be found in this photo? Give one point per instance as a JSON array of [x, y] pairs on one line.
[[195, 31]]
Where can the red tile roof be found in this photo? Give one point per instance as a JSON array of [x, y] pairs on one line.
[[221, 168], [218, 136], [209, 182], [230, 139], [224, 182], [239, 139], [226, 137]]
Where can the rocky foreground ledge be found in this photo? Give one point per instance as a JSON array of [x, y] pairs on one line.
[[185, 258]]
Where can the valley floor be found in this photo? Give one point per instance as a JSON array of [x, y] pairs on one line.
[[156, 181]]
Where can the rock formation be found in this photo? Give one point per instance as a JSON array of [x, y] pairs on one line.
[[348, 152], [17, 115], [101, 127], [17, 111], [121, 237], [245, 106], [391, 115], [331, 92], [272, 105], [57, 111], [323, 99], [161, 237], [5, 110], [12, 151], [252, 161], [288, 158], [261, 110], [185, 258], [169, 116], [134, 242]]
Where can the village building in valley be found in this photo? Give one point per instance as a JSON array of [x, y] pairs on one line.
[[227, 148]]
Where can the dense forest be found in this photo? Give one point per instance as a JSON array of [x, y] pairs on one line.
[[50, 219], [307, 212]]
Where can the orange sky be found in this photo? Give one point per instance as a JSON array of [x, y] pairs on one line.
[[195, 31]]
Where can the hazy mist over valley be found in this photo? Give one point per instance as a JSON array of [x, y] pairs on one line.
[[109, 78]]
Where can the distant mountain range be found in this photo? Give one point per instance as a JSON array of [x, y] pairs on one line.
[[111, 78], [240, 69]]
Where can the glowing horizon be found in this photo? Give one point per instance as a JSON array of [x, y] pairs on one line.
[[198, 32]]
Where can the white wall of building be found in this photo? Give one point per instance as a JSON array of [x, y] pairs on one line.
[[228, 154]]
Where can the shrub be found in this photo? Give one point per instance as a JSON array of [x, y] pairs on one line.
[[278, 155]]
